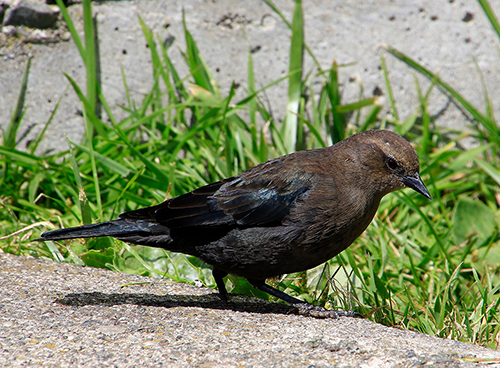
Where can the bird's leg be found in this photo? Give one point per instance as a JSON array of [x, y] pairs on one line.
[[219, 276], [304, 308]]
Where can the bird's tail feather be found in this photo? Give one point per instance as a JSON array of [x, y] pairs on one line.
[[117, 228]]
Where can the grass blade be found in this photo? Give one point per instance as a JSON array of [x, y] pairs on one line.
[[389, 88], [491, 15], [82, 196], [72, 29], [295, 80], [478, 116], [15, 121]]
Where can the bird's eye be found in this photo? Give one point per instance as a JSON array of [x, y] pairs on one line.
[[392, 163]]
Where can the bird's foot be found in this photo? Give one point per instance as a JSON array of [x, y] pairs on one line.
[[306, 309]]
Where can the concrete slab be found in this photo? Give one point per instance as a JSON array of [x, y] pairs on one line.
[[446, 37], [56, 314]]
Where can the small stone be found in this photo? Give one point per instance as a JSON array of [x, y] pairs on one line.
[[9, 30], [30, 13], [377, 91], [468, 17], [66, 36]]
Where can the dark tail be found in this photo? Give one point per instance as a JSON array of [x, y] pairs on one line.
[[132, 231]]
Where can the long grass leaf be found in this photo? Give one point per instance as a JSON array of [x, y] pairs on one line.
[[295, 80], [388, 86], [21, 158], [478, 116], [91, 56], [491, 15], [492, 171], [337, 129], [82, 195], [72, 29], [41, 135], [15, 120], [148, 163], [89, 109], [356, 105], [106, 161], [271, 4], [197, 65]]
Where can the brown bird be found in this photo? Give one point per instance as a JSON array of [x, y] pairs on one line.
[[285, 215]]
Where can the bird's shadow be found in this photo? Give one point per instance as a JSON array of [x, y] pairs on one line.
[[237, 303]]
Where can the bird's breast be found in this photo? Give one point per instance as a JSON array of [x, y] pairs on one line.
[[330, 222]]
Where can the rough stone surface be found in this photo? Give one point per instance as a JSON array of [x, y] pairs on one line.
[[30, 13], [56, 314], [445, 36]]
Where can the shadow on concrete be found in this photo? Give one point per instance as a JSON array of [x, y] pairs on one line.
[[237, 303]]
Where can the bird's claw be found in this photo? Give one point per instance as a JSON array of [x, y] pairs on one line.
[[306, 309]]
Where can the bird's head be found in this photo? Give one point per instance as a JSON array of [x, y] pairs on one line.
[[391, 160]]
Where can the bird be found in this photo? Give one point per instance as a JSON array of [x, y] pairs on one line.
[[285, 215]]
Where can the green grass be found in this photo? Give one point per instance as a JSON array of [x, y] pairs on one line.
[[431, 266]]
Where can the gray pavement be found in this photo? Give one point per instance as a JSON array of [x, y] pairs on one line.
[[445, 36], [56, 314], [62, 315]]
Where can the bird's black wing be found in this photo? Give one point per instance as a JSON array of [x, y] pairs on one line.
[[258, 202], [240, 201]]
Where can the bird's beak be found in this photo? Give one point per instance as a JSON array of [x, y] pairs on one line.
[[417, 185]]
